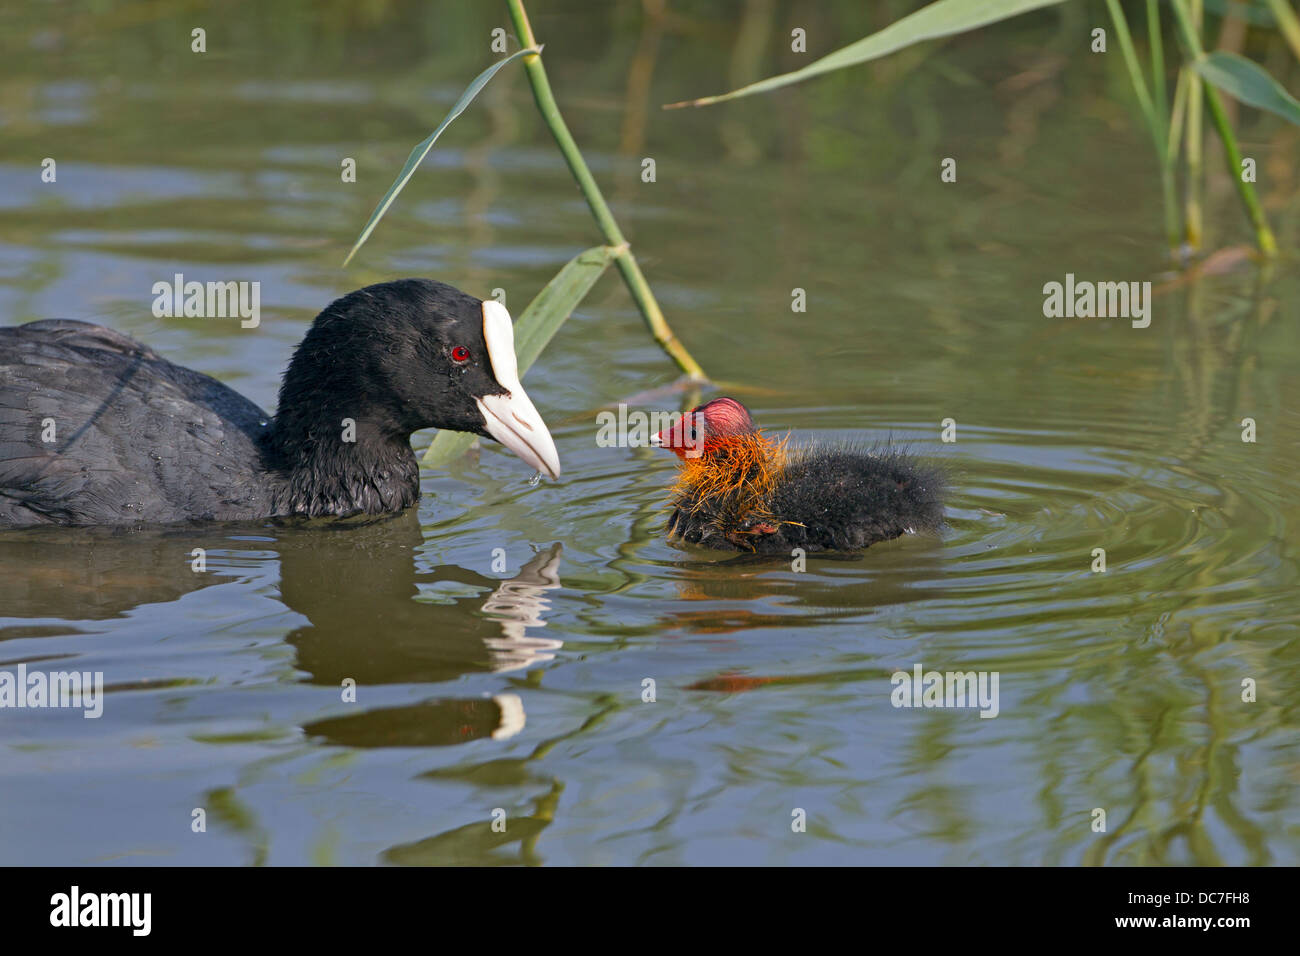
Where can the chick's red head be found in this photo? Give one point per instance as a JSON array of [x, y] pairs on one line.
[[706, 428]]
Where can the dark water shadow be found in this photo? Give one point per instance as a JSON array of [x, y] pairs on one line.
[[357, 585], [95, 574], [369, 621]]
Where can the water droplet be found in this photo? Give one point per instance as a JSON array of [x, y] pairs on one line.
[[535, 480]]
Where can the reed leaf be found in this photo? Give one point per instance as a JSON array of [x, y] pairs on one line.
[[940, 19], [422, 149], [533, 330], [1247, 81]]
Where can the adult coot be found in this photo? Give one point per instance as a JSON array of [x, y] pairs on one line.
[[96, 428], [739, 490]]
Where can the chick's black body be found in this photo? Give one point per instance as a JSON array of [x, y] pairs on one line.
[[833, 499], [741, 491], [96, 428]]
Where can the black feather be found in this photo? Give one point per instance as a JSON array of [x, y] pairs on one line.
[[826, 498], [140, 440]]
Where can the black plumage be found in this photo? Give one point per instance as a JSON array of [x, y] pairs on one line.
[[140, 440], [744, 492]]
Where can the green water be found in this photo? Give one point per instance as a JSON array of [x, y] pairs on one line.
[[520, 690]]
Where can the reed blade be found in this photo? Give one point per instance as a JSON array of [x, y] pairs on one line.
[[422, 149], [1247, 81], [940, 19]]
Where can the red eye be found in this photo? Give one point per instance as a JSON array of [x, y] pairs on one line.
[[460, 354]]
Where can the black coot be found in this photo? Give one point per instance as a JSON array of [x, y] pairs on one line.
[[138, 440], [739, 490]]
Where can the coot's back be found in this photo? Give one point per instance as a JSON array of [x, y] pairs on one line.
[[96, 428]]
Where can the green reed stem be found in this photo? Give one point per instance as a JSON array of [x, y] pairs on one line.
[[1178, 116], [626, 261], [1219, 116], [1156, 120], [1195, 159], [1157, 43], [1195, 225], [1288, 23]]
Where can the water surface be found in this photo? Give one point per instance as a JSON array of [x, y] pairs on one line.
[[480, 689]]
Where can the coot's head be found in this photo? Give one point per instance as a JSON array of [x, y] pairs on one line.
[[411, 354], [706, 429]]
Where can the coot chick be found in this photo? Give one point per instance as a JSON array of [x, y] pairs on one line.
[[98, 429], [739, 490]]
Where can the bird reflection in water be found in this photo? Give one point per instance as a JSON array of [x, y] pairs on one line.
[[518, 604], [415, 641]]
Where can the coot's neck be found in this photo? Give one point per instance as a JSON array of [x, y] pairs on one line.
[[330, 468], [332, 446]]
